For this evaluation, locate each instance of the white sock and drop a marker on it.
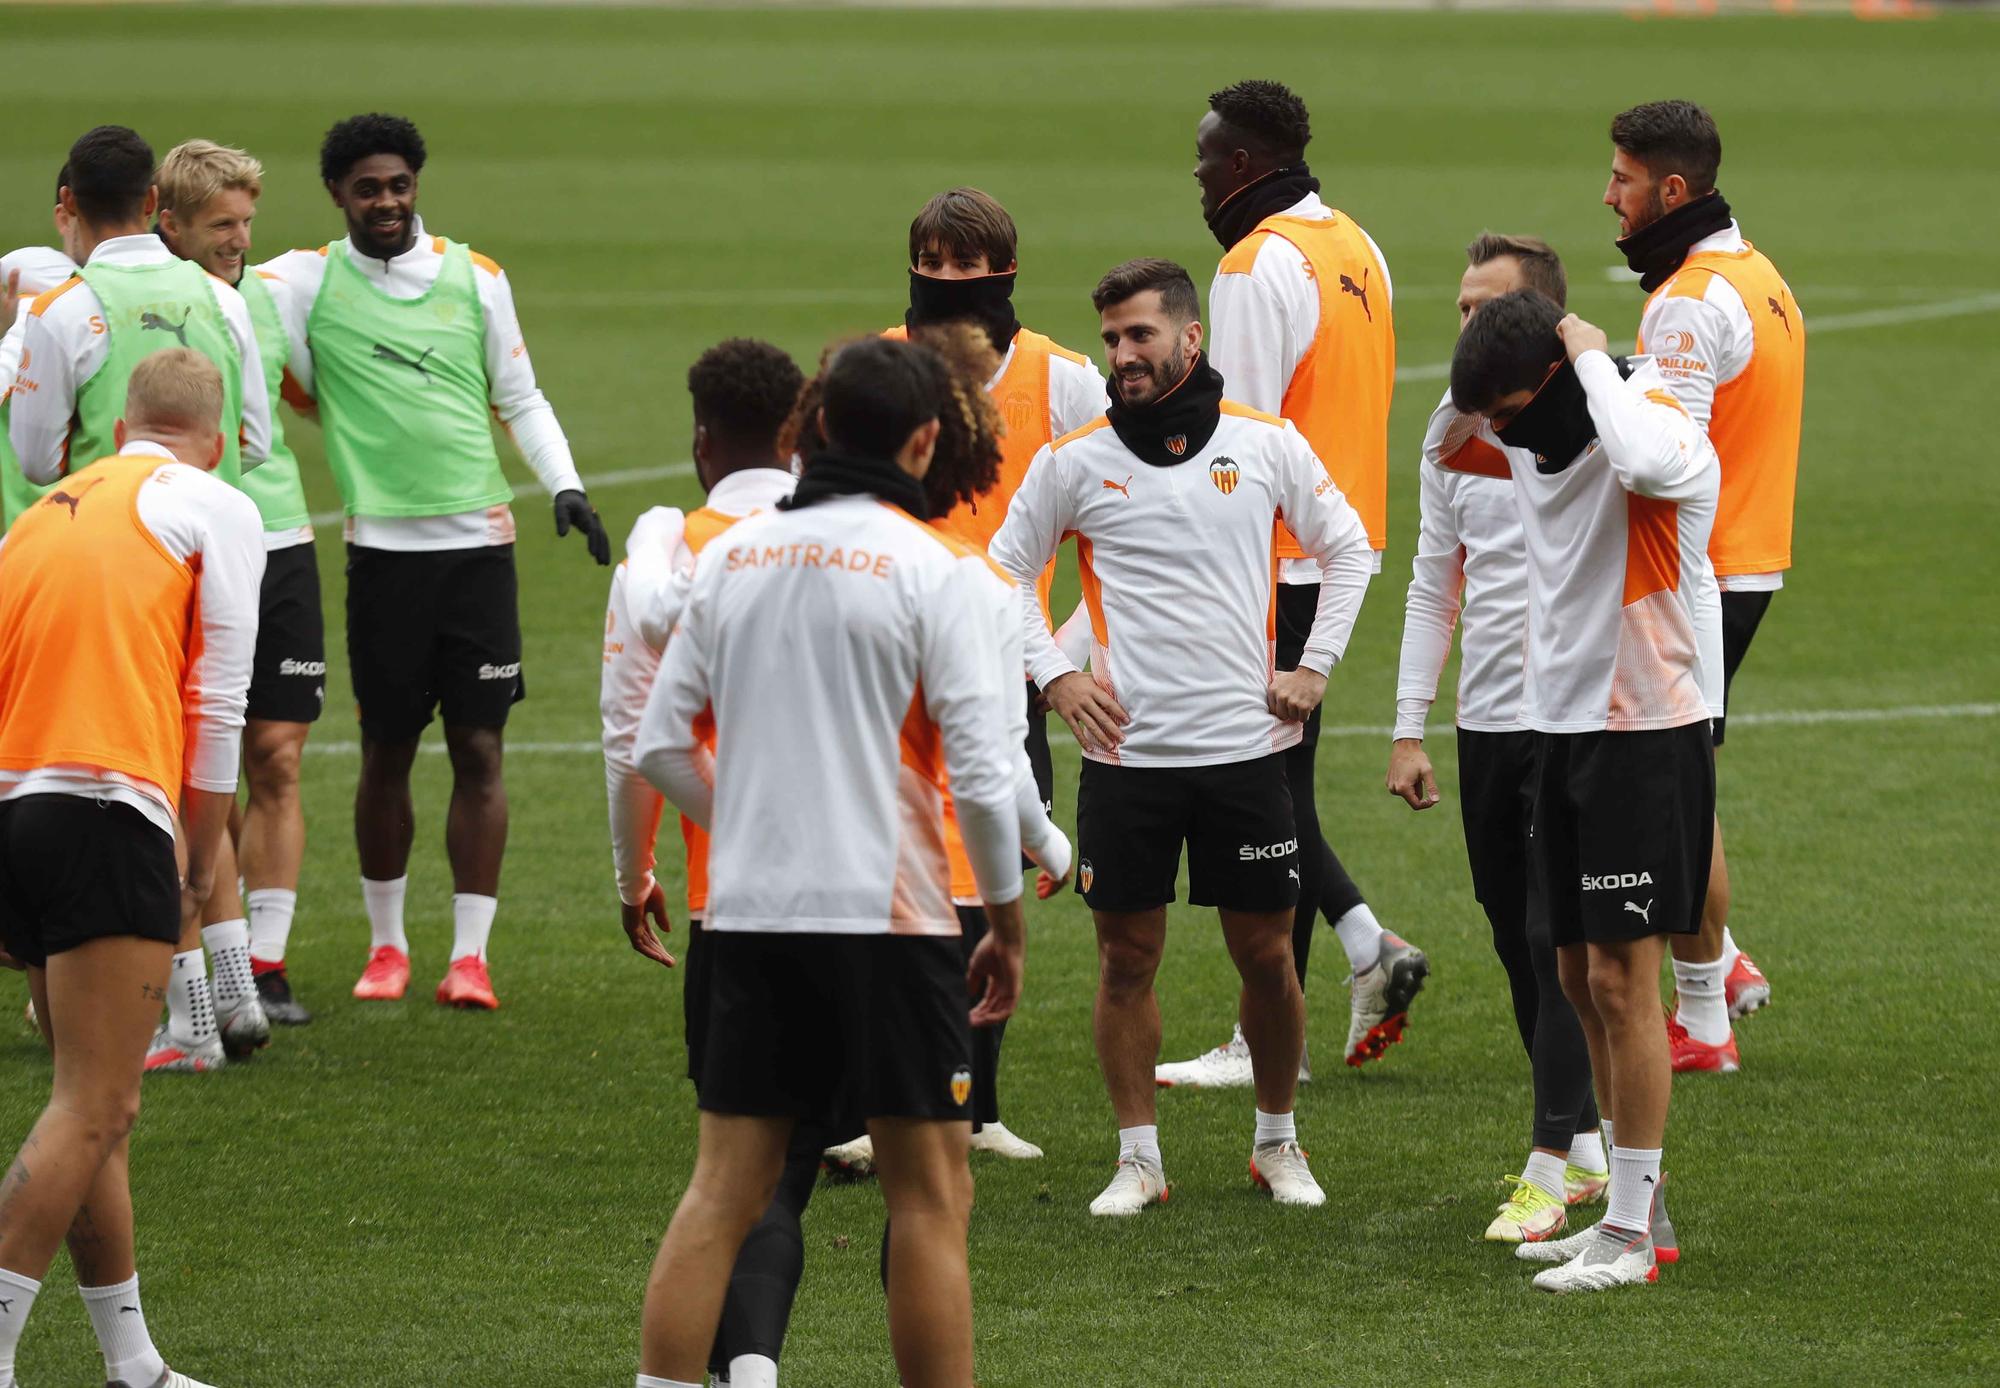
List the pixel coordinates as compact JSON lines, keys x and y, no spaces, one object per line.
{"x":1635,"y":1175}
{"x":190,"y":1009}
{"x":1140,"y":1144}
{"x":1704,"y":1007}
{"x":1610,"y":1143}
{"x":1729,"y":951}
{"x":17,"y":1298}
{"x":271,"y":912}
{"x":1586,"y":1150}
{"x":1361,"y":936}
{"x":648,"y":1381}
{"x":129,"y":1356}
{"x":384,"y":901}
{"x":228,"y":945}
{"x":1545,"y":1171}
{"x":753,"y":1371}
{"x":1275,"y":1127}
{"x":471,"y":923}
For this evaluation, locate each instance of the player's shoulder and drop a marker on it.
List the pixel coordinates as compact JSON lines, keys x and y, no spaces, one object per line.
{"x":49,"y":298}
{"x":1253,"y":418}
{"x":40,"y":267}
{"x":1241,"y":258}
{"x":482,"y":262}
{"x":1079,"y":435}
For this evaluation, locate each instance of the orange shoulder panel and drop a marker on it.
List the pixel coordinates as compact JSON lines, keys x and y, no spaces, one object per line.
{"x":49,"y":296}
{"x":1101,"y":422}
{"x":1246,"y":412}
{"x":485,"y":262}
{"x":1691,"y":283}
{"x":267,"y":275}
{"x":899,"y":333}
{"x":1479,"y":457}
{"x":1058,"y":350}
{"x":1243,"y":255}
{"x":437,"y":244}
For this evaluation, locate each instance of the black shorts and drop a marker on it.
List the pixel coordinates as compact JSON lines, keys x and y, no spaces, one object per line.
{"x":433,"y":631}
{"x":288,"y":676}
{"x":694,"y":997}
{"x":1623,"y":831}
{"x":1496,"y":795}
{"x":74,"y":869}
{"x":1742,"y":613}
{"x":1236,"y":819}
{"x":820,"y":1027}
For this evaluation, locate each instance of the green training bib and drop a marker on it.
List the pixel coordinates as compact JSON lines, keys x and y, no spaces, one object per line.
{"x":274,"y":484}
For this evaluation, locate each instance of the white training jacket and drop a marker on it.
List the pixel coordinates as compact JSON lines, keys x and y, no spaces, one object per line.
{"x":1178,"y":567}
{"x":41,"y":268}
{"x":62,"y":346}
{"x":849,"y":657}
{"x":517,"y":400}
{"x":1624,"y":616}
{"x":215,"y":530}
{"x":1471,"y":567}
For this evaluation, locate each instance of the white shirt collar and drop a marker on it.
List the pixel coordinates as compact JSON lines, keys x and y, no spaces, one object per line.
{"x":752,"y":489}
{"x":1728,"y":241}
{"x":419,"y":252}
{"x":146,"y":448}
{"x":1310,"y":206}
{"x":143,"y":248}
{"x":1005,"y":362}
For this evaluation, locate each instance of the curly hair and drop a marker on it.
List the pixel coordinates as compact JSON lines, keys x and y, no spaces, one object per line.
{"x":1267,"y":116}
{"x":357,"y":137}
{"x":744,"y":389}
{"x":941,"y":375}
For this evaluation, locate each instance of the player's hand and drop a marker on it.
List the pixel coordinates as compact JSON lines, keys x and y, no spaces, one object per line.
{"x":1580,"y":337}
{"x":1047,"y":884}
{"x":1097,"y":719}
{"x":1410,"y":774}
{"x":1294,"y":694}
{"x":639,"y":922}
{"x":10,"y":300}
{"x":993,"y":977}
{"x":574,"y":508}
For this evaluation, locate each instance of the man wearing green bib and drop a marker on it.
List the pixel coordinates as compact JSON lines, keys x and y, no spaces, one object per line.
{"x":208,"y":199}
{"x":411,"y":346}
{"x":25,"y":274}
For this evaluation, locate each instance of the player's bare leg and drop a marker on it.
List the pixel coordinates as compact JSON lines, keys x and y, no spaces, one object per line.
{"x":735,"y":1172}
{"x":1125,"y":1021}
{"x":475,"y":840}
{"x":1699,"y":1032}
{"x":225,"y":935}
{"x":271,"y":847}
{"x":928,"y":1188}
{"x":384,"y":828}
{"x":1272,"y":1012}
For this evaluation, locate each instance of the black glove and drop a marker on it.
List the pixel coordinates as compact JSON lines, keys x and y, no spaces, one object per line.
{"x":574,"y":508}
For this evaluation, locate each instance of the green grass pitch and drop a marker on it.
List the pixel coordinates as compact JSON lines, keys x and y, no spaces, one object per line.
{"x":404,"y":1196}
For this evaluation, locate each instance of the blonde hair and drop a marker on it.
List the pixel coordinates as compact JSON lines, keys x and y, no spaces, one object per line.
{"x":176,"y":389}
{"x":196,"y":170}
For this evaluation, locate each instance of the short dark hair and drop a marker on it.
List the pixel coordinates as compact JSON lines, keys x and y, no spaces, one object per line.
{"x":1507,"y":346}
{"x":1672,"y":137}
{"x":743,"y":389}
{"x":1541,"y":267}
{"x":109,"y":172}
{"x":1176,"y":287}
{"x":877,"y":392}
{"x":965,"y":220}
{"x":62,"y":180}
{"x":1268,"y":116}
{"x":356,"y":138}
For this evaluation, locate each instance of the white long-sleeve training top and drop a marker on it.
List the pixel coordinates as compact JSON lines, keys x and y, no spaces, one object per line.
{"x":843,"y":653}
{"x":63,"y":345}
{"x":1470,"y":569}
{"x":41,"y":268}
{"x":215,"y":530}
{"x":1624,"y":616}
{"x":1177,"y":574}
{"x":510,"y":383}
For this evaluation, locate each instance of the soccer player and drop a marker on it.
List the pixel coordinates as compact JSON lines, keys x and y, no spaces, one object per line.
{"x":1469,"y":543}
{"x":208,"y":199}
{"x":1731,"y":342}
{"x":850,"y":654}
{"x":1183,"y":723}
{"x":743,"y":392}
{"x":128,"y":615}
{"x":25,"y":274}
{"x":1616,"y":487}
{"x":963,"y":264}
{"x":410,"y":344}
{"x":1303,"y":329}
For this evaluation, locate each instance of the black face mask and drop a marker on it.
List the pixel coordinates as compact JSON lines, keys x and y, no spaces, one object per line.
{"x":1556,"y":425}
{"x":832,"y":472}
{"x":987,"y":300}
{"x":1176,"y":426}
{"x":1253,"y":202}
{"x":1657,"y":249}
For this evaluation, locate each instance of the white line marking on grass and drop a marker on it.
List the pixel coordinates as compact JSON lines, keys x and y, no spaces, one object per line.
{"x":1833,"y":323}
{"x":1783,"y":718}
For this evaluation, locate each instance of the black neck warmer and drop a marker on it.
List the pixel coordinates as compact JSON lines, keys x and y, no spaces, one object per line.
{"x":830,"y":473}
{"x":1657,"y":249}
{"x":1556,"y":425}
{"x":1253,"y":202}
{"x":1176,"y":426}
{"x":987,"y":300}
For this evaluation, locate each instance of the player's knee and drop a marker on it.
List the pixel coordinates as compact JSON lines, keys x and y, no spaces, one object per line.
{"x":271,"y":765}
{"x":104,"y":1116}
{"x":476,"y":759}
{"x":1126,"y":966}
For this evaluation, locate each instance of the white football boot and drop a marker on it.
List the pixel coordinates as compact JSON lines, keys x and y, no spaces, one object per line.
{"x":995,"y":1138}
{"x":1606,"y":1260}
{"x":856,"y":1158}
{"x":1136,"y":1185}
{"x":170,"y":1053}
{"x":243,"y":1026}
{"x":1280,"y":1167}
{"x":1225,"y":1067}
